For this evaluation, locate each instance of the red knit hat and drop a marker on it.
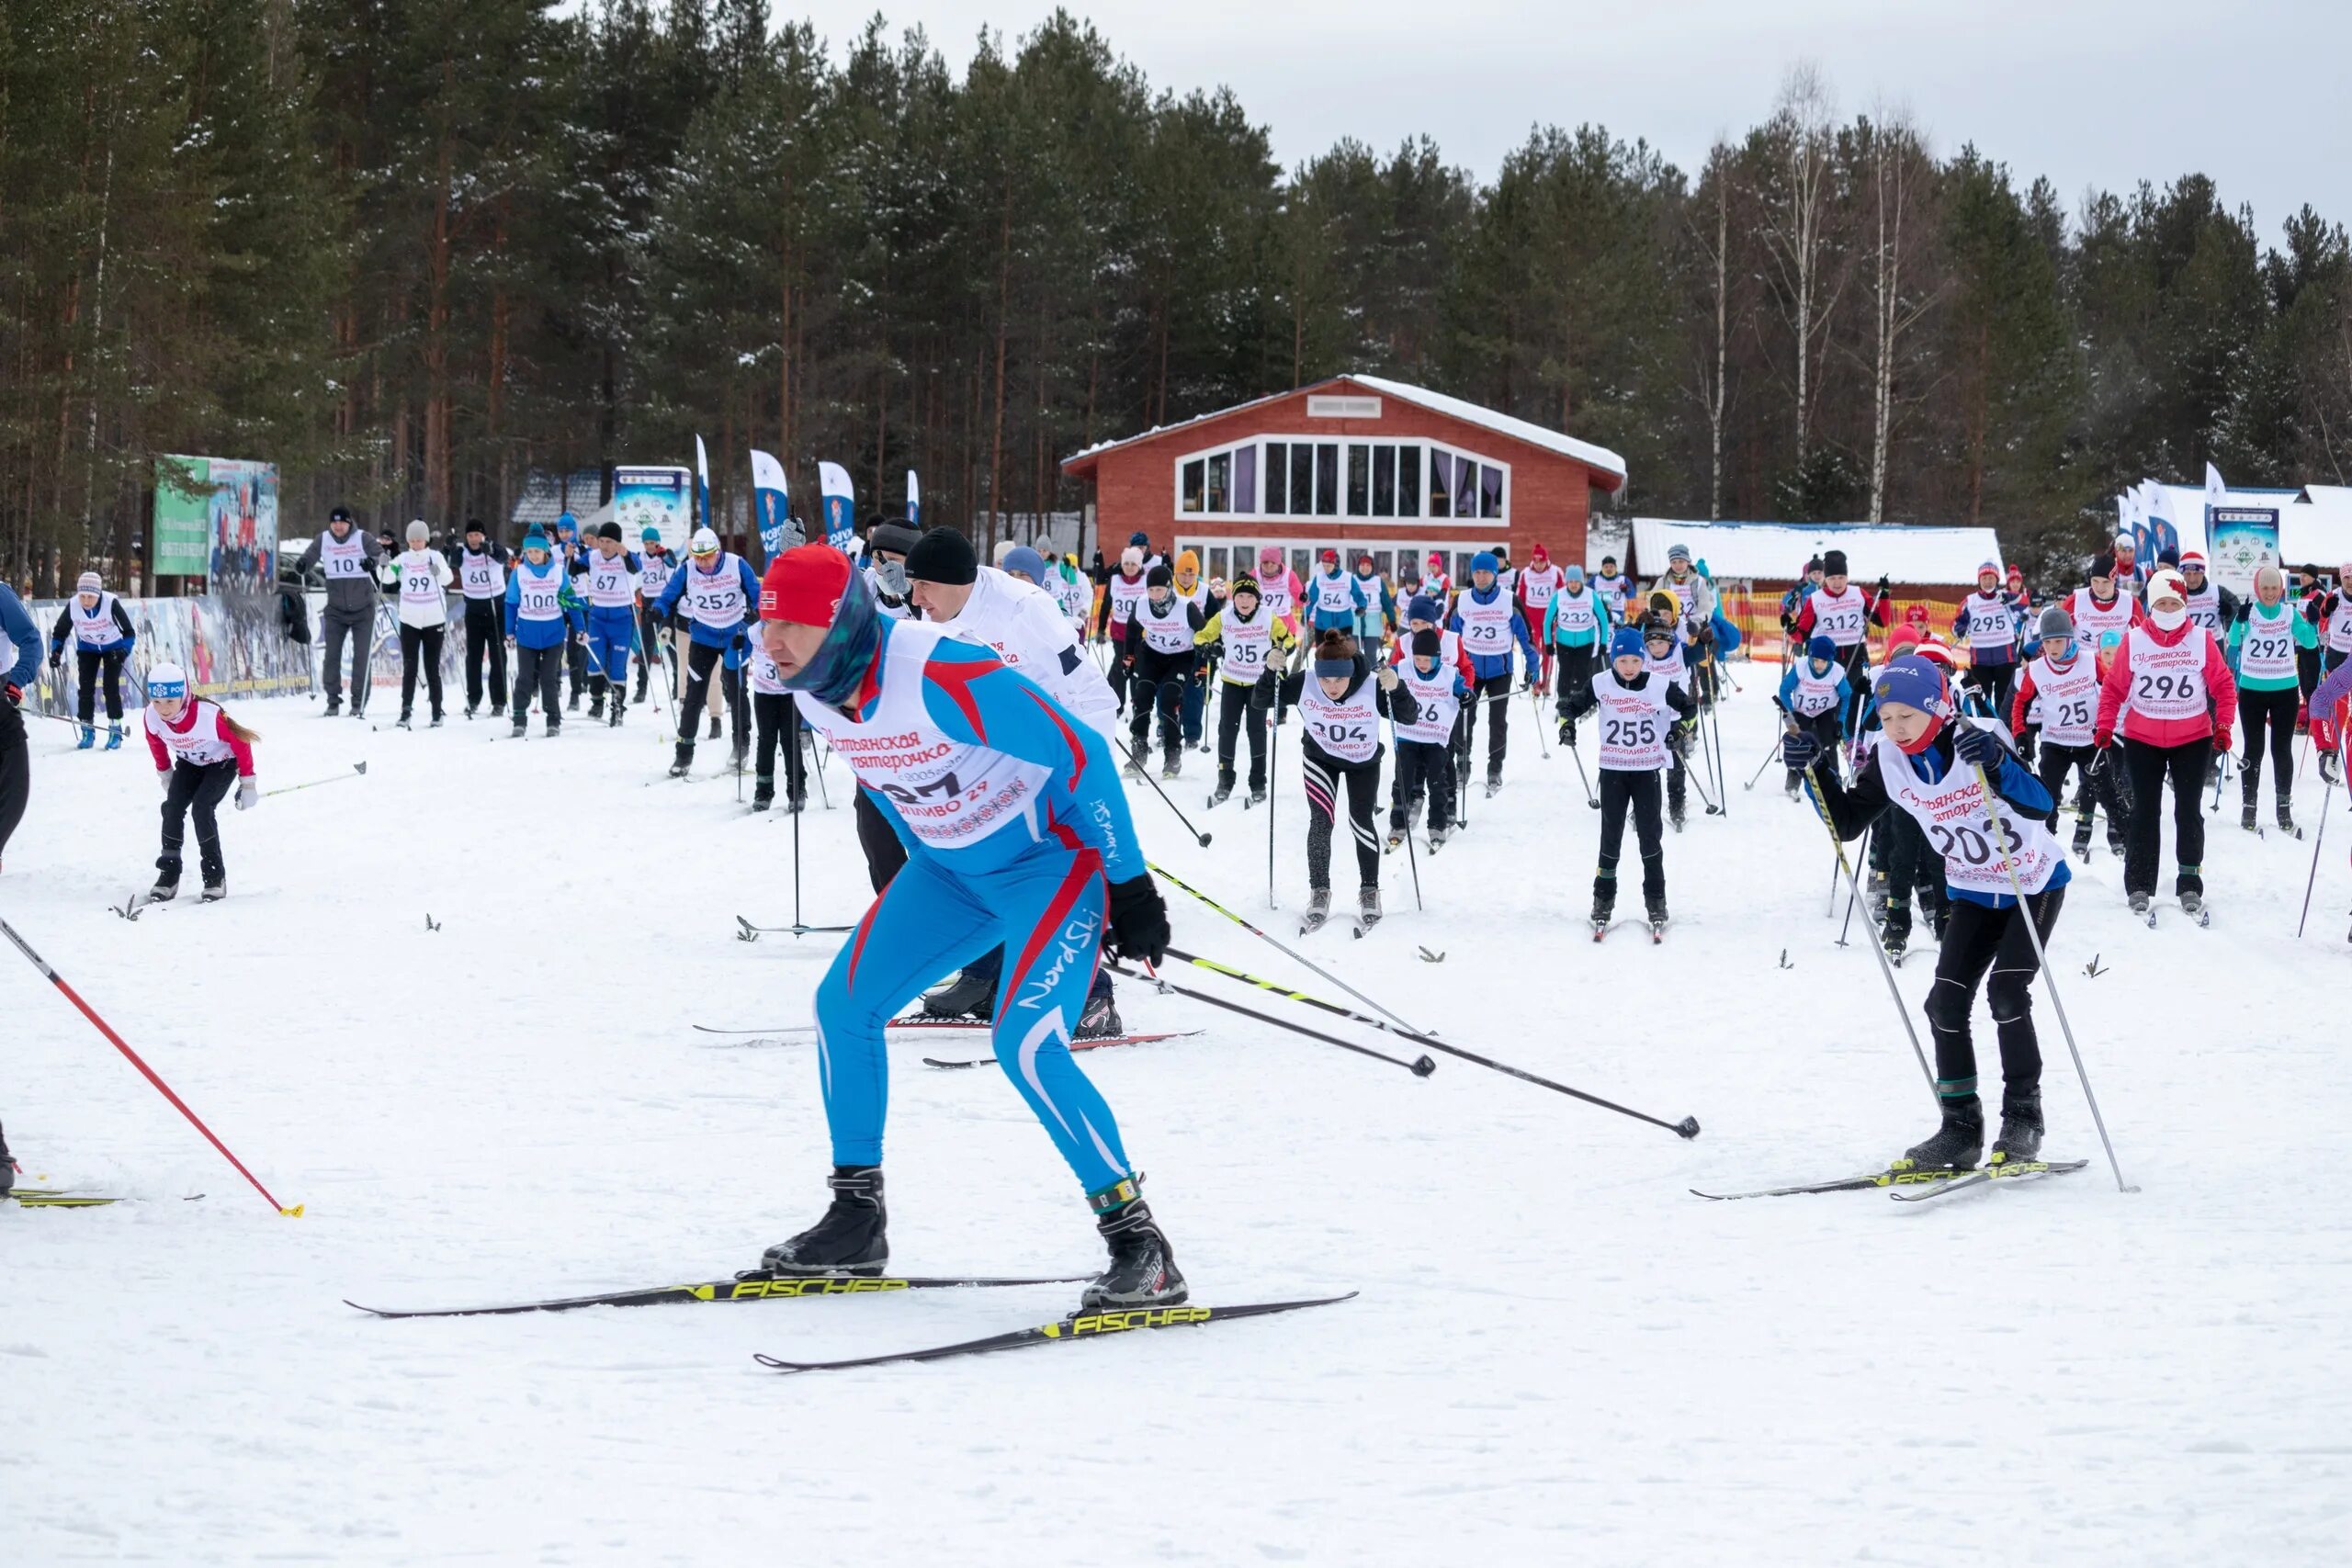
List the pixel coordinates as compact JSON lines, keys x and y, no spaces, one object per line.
{"x":1539,"y":553}
{"x":805,"y":584}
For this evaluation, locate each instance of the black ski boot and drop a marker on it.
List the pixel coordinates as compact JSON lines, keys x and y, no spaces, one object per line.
{"x":1143,"y":1266}
{"x":1171,"y":762}
{"x":2022,"y":1127}
{"x":714,"y":727}
{"x":1101,"y":1019}
{"x":762,"y":792}
{"x":965,"y":994}
{"x":852,"y":1237}
{"x":2082,"y":837}
{"x":1224,"y":778}
{"x":2249,"y":813}
{"x":619,"y":707}
{"x":1958,"y":1145}
{"x":335,"y":707}
{"x":2286,"y":814}
{"x":682,"y":762}
{"x":167,"y":881}
{"x":216,"y":886}
{"x":1257,"y":794}
{"x":595,"y":706}
{"x":1605,"y":910}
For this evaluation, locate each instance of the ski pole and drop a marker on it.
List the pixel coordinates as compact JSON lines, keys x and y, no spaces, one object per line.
{"x":2311,"y":878}
{"x":1715,"y":728}
{"x":1582,"y":777}
{"x":357,"y":769}
{"x":1536,"y":703}
{"x":1861,"y":853}
{"x":54,"y":979}
{"x":1396,"y":749}
{"x":1885,"y":967}
{"x":1421,"y":1068}
{"x":1766,"y":762}
{"x":1687,"y":1128}
{"x":1273,"y":788}
{"x":1145,"y":774}
{"x":2009,"y":835}
{"x":1183,"y":886}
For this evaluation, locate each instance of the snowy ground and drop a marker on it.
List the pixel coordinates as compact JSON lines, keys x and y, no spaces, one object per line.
{"x":1559,"y":1355}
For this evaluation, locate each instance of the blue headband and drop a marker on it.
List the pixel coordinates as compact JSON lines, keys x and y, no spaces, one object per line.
{"x":1334,"y":668}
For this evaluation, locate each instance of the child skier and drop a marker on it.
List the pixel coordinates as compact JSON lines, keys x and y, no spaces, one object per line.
{"x":538,"y":614}
{"x":1424,"y":742}
{"x":1340,"y":703}
{"x":1986,"y":624}
{"x":2064,"y":684}
{"x":1577,"y":628}
{"x":778,"y":723}
{"x":1815,"y":697}
{"x":1489,"y":622}
{"x":103,"y":639}
{"x":1159,"y":656}
{"x":1662,"y":656}
{"x":424,"y":576}
{"x":1636,"y":707}
{"x":1253,"y":641}
{"x":200,"y":752}
{"x":1927,"y":761}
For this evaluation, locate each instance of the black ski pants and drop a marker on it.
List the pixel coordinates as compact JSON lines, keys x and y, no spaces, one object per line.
{"x":1496,"y":691}
{"x":655,"y":644}
{"x":359,"y":626}
{"x":195,"y":791}
{"x":1326,"y":776}
{"x":1856,"y":662}
{"x":1572,"y":673}
{"x":778,"y":719}
{"x":1421,"y":766}
{"x":884,"y":851}
{"x":484,"y":634}
{"x":1996,"y":682}
{"x":1156,"y":684}
{"x":1991,"y":947}
{"x":92,"y":666}
{"x":1912,"y":867}
{"x":1823,"y":727}
{"x":420,"y":645}
{"x":2101,"y":784}
{"x":1240,"y":707}
{"x":2273,"y":712}
{"x":539,"y":670}
{"x":16,"y":771}
{"x":1622,"y":790}
{"x":2150,"y":767}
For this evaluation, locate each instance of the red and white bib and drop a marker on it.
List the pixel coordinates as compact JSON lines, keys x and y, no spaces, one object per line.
{"x":2069,"y":700}
{"x":2168,"y":682}
{"x":1978,"y":854}
{"x":1633,"y":724}
{"x":1347,"y":729}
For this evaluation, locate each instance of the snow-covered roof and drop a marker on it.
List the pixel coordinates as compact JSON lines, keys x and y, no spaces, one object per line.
{"x":2328,"y":495}
{"x":2317,"y":530}
{"x":1585,"y":452}
{"x":1605,"y":464}
{"x":1908,"y":553}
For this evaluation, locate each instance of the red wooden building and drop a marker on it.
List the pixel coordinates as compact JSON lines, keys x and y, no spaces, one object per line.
{"x":1368,"y":465}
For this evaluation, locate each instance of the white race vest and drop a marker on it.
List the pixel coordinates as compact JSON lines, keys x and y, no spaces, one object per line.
{"x":1537,"y":587}
{"x":1438,"y":586}
{"x":2205,"y":606}
{"x":766,"y":679}
{"x":2168,"y":682}
{"x":538,"y":594}
{"x":1977,"y":855}
{"x":1633,"y":724}
{"x":1613,"y":589}
{"x":653,"y":575}
{"x":2091,"y":618}
{"x":1169,"y":632}
{"x":421,"y":598}
{"x":1124,"y":594}
{"x":1843,"y":618}
{"x":715,"y":599}
{"x":2267,"y":651}
{"x":482,"y":576}
{"x":199,"y":745}
{"x":1673,"y":666}
{"x":1990,"y":623}
{"x":2339,"y":625}
{"x":1248,"y":645}
{"x":2068,"y":699}
{"x":349,"y":558}
{"x":950,"y":793}
{"x":1814,"y":694}
{"x":1347,"y":729}
{"x":1334,"y":595}
{"x":1076,"y":596}
{"x":1275,"y":595}
{"x":1434,"y":703}
{"x":1486,"y":628}
{"x":94,"y":628}
{"x":1575,"y":612}
{"x":612,"y":584}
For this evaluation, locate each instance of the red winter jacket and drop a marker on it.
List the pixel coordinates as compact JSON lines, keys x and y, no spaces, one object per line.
{"x":2219,"y":687}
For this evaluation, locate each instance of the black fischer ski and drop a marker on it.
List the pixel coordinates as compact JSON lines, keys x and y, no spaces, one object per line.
{"x":1840,"y":1184}
{"x":1095,"y":1045}
{"x":2024,"y":1170}
{"x":1078,"y":1326}
{"x":894,"y":1023}
{"x":751,"y":1287}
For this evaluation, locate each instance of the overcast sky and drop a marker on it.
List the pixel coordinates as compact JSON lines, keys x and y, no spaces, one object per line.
{"x":2255,"y":92}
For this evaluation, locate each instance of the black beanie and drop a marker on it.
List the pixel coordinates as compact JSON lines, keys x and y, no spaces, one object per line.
{"x":610,"y":531}
{"x":943,"y":555}
{"x":895,"y":538}
{"x":1160,"y":577}
{"x":1427,"y":643}
{"x":1833,"y":563}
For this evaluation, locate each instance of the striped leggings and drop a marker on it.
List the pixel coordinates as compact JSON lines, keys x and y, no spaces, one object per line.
{"x":1324,"y":774}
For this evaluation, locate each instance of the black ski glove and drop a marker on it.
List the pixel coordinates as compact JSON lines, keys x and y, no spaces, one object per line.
{"x":1979,"y":748}
{"x":1798,"y":748}
{"x":1139,"y":920}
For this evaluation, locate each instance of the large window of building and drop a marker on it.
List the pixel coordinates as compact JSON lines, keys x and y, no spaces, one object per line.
{"x":1283,"y":476}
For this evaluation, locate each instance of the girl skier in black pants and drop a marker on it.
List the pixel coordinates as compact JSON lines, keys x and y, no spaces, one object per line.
{"x":1925,"y":761}
{"x":199,"y":753}
{"x":1341,"y":702}
{"x":1634,"y":708}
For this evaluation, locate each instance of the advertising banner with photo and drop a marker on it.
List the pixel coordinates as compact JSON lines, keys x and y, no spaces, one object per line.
{"x":2240,"y":540}
{"x":230,"y":646}
{"x":654,"y":497}
{"x":217,"y":518}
